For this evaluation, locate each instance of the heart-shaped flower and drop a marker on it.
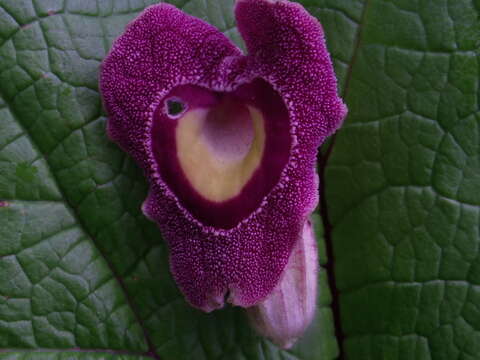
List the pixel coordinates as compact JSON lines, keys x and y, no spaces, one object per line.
{"x":228,"y":141}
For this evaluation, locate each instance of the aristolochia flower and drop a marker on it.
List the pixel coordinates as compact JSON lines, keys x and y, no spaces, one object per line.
{"x":228,"y":141}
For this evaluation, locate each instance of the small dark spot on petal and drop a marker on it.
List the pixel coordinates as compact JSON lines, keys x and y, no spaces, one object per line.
{"x":175,"y":107}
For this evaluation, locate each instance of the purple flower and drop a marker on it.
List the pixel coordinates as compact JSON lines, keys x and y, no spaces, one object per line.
{"x":228,"y":141}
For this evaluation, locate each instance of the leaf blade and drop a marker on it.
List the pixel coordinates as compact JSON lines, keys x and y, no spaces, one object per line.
{"x":392,"y":185}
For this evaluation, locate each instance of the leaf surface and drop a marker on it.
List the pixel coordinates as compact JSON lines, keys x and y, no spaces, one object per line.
{"x":403,"y":184}
{"x":83,"y":273}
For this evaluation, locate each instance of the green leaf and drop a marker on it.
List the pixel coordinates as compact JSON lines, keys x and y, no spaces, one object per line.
{"x":83,"y":275}
{"x":81,"y":268}
{"x":403,"y":184}
{"x":68,"y":355}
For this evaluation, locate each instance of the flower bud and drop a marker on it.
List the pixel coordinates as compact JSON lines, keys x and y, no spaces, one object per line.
{"x":285,"y":314}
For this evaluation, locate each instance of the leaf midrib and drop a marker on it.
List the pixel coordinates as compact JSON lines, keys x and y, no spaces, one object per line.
{"x":323,"y":205}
